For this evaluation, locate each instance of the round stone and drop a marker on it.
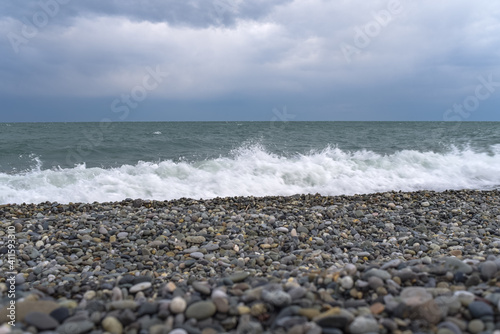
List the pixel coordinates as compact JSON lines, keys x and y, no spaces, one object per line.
{"x":475,"y":326}
{"x":488,"y":269}
{"x":112,"y":325}
{"x":347,"y":282}
{"x":178,"y":305}
{"x":362,"y":325}
{"x":89,"y":295}
{"x":375,"y":282}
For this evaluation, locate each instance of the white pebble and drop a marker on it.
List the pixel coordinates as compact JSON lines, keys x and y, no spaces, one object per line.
{"x":140,"y":286}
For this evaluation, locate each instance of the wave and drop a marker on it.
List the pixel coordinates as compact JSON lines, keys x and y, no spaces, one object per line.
{"x":253,"y":171}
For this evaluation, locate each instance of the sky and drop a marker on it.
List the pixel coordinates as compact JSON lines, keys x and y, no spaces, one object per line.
{"x":249,"y":60}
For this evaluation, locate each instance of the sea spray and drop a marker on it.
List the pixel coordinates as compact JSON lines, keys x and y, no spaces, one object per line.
{"x":253,"y":171}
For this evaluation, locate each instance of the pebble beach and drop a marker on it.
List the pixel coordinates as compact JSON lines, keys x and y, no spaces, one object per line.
{"x":394,"y":262}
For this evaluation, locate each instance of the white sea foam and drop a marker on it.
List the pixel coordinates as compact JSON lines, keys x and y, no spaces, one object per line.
{"x":254,"y":171}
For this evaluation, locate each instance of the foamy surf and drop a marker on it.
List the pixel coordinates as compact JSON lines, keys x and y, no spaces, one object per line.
{"x":253,"y":171}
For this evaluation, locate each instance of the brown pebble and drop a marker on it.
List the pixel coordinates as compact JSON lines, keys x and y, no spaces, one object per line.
{"x":377,"y":308}
{"x":456,"y":252}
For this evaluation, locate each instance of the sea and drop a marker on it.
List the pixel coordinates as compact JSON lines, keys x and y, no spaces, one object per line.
{"x":112,"y":161}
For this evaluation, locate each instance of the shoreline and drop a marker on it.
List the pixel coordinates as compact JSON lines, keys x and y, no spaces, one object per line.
{"x":395,"y":261}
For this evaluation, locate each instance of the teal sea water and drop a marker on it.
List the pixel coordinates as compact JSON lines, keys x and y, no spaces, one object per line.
{"x":87,"y":162}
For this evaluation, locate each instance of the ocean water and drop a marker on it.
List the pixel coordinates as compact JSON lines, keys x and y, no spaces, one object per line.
{"x":87,"y":162}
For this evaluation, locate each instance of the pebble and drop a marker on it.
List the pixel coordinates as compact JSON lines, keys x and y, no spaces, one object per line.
{"x":41,"y":321}
{"x":303,"y":264}
{"x":276,"y":297}
{"x":456,"y":265}
{"x":202,"y":287}
{"x":362,"y":325}
{"x":140,"y":287}
{"x":480,"y":309}
{"x":178,"y":305}
{"x":75,"y":327}
{"x":347,"y":282}
{"x":197,"y":255}
{"x":112,"y":325}
{"x":177,"y":331}
{"x":475,"y":326}
{"x":488,"y":269}
{"x":239,"y":276}
{"x":201,"y":310}
{"x":60,"y":314}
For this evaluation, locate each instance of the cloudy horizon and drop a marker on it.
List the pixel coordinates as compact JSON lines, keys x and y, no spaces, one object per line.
{"x":65,"y":60}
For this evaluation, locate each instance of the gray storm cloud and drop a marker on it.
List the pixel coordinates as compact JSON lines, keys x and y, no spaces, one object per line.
{"x":387,"y":56}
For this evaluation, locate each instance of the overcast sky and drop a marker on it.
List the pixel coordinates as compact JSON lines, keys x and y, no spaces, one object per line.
{"x":128,"y":60}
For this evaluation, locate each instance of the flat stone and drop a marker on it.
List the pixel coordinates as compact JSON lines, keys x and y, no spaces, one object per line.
{"x":334,"y":318}
{"x":239,"y":276}
{"x":195,"y":239}
{"x":201,"y":310}
{"x":455,"y":265}
{"x":382,"y":274}
{"x":123,"y":304}
{"x":480,"y":309}
{"x":140,"y":287}
{"x":147,"y":308}
{"x":41,"y":320}
{"x":27,"y":306}
{"x":309,"y":313}
{"x":210,"y":246}
{"x":201,"y":287}
{"x":163,"y":329}
{"x":78,"y":327}
{"x":197,"y":255}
